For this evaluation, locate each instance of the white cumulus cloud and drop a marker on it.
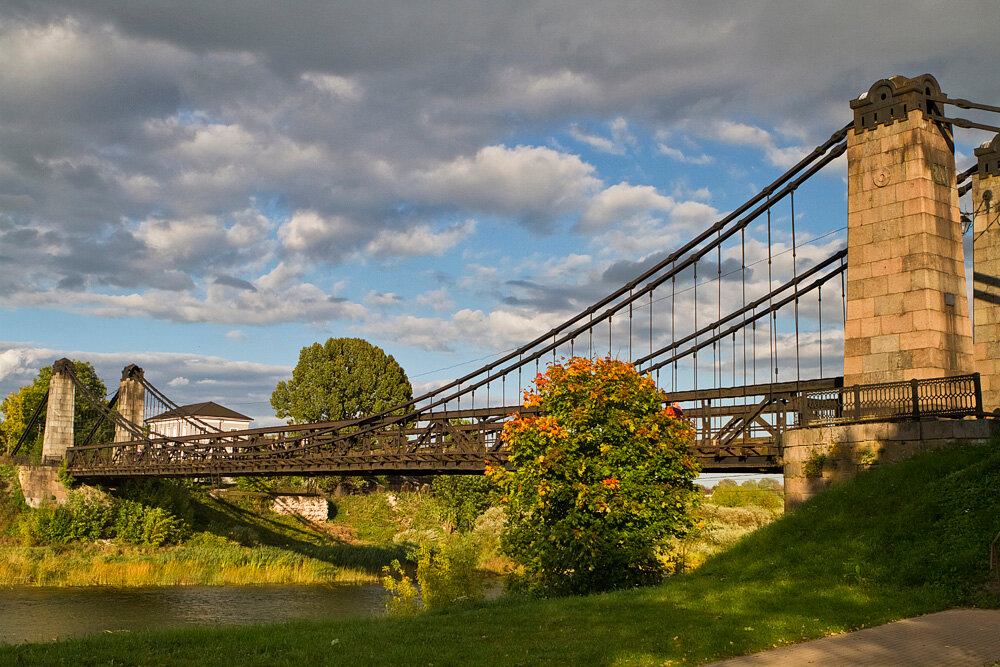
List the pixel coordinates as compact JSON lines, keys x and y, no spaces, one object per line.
{"x":420,"y":240}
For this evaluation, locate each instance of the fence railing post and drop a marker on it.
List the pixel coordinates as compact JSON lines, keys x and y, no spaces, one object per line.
{"x":803,"y":409}
{"x":977,"y":385}
{"x":915,"y":395}
{"x":857,"y":401}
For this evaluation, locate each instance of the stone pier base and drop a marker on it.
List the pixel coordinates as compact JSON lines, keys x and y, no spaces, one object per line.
{"x":817,"y":457}
{"x":41,"y":484}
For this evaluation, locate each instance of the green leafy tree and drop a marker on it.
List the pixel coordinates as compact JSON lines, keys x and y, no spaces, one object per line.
{"x":343,"y":378}
{"x":599,"y":480}
{"x":19,"y":405}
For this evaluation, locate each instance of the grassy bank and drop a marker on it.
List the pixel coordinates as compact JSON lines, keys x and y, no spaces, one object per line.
{"x":896,"y":542}
{"x":234,"y":541}
{"x":205,"y":561}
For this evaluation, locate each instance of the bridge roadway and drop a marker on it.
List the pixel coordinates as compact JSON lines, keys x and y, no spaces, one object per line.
{"x":738,"y":430}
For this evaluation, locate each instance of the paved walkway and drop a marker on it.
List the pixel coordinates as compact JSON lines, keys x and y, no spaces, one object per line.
{"x":955,"y":637}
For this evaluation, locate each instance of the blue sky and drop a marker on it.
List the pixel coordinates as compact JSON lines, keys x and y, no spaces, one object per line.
{"x":204,"y":192}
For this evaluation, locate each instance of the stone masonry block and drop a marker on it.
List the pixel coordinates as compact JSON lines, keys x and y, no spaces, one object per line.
{"x":915,"y":340}
{"x":885,"y":343}
{"x":900,"y":283}
{"x":890,"y":304}
{"x":857,"y":346}
{"x":896,"y":323}
{"x":905,"y":431}
{"x":862,"y":308}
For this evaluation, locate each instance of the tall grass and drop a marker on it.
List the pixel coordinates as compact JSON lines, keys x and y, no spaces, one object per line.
{"x":237,"y":543}
{"x":717,"y":528}
{"x":214,"y":563}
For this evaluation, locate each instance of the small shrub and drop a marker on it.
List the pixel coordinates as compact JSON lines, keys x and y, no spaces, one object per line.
{"x":447,"y":573}
{"x":176,"y":497}
{"x":139,"y":524}
{"x":815,"y":464}
{"x":65,"y":478}
{"x":83,"y":518}
{"x":11,"y":499}
{"x":403,"y":597}
{"x":209,"y":541}
{"x":88,"y":516}
{"x":600,"y":480}
{"x":257,"y":484}
{"x":465,"y":497}
{"x":488,"y":529}
{"x":867,"y":458}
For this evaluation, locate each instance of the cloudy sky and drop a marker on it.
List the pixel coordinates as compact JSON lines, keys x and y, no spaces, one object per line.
{"x":205,"y":188}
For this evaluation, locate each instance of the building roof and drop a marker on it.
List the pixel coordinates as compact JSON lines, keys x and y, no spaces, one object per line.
{"x":208,"y":409}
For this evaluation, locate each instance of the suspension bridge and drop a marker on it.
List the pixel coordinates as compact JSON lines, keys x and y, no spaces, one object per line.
{"x":758,"y":327}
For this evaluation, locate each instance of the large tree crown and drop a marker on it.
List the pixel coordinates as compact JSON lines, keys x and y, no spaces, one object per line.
{"x":343,"y":378}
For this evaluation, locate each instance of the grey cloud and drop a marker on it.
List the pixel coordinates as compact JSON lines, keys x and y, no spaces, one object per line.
{"x":99,"y":138}
{"x":624,"y":270}
{"x":234,"y":282}
{"x":545,"y":297}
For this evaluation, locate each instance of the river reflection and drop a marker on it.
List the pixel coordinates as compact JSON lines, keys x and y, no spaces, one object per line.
{"x":30,"y":614}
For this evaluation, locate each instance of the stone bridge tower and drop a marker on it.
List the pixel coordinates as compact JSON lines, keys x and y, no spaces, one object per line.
{"x":986,"y":269}
{"x":131,"y":400}
{"x":907,"y":307}
{"x":58,"y":435}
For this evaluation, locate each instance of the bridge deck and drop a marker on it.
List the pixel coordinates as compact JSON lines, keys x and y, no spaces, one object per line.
{"x":738,"y":430}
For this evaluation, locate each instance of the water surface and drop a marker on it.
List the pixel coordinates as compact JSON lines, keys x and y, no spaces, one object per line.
{"x":38,"y":614}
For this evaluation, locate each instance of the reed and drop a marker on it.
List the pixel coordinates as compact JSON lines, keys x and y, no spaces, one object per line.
{"x":107,"y":564}
{"x":717,"y":528}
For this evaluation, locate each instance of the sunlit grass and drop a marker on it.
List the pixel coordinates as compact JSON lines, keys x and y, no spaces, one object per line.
{"x":236,"y":544}
{"x":896,"y":542}
{"x":218,"y":565}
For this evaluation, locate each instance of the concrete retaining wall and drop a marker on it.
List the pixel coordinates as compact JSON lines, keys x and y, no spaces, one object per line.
{"x":818,"y":457}
{"x":41,"y":484}
{"x":312,"y":507}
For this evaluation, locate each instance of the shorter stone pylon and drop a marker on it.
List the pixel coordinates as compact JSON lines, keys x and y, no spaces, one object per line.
{"x":131,"y":401}
{"x":58,"y":434}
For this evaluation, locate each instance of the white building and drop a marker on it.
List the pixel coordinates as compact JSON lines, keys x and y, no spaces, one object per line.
{"x":178,"y":422}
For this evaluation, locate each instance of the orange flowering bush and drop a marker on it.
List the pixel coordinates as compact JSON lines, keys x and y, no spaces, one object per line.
{"x":599,"y":480}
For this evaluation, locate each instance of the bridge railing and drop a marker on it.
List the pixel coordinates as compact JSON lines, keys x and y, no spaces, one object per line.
{"x":957,"y":396}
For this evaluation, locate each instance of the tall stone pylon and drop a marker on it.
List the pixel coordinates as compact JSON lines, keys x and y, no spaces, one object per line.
{"x":58,"y":434}
{"x":131,"y":401}
{"x":986,"y":270}
{"x":907,"y":308}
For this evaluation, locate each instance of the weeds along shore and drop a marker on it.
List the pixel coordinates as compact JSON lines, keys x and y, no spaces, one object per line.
{"x":178,"y":533}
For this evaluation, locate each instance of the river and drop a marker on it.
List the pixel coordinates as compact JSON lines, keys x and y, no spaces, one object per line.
{"x":32,"y":614}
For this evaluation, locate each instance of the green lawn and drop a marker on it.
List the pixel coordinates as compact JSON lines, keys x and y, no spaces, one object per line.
{"x":896,"y":542}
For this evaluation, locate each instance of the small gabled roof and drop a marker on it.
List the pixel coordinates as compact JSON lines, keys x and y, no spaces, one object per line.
{"x":206,"y":409}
